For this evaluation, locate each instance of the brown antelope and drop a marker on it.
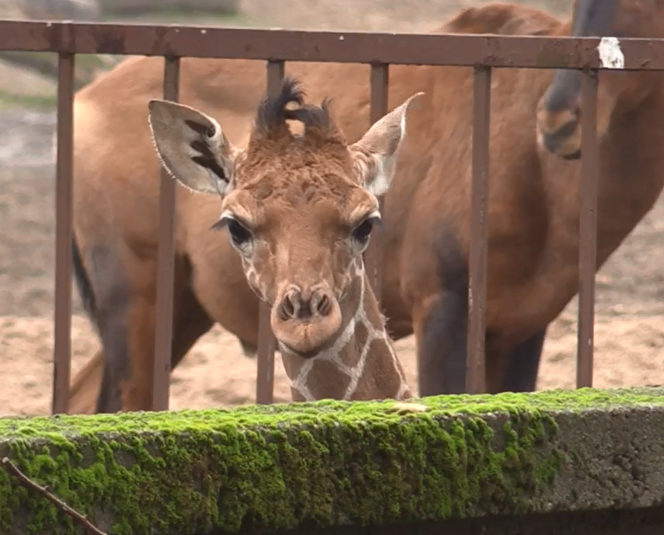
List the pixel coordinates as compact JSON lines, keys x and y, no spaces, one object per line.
{"x":533,"y":205}
{"x":299,"y":210}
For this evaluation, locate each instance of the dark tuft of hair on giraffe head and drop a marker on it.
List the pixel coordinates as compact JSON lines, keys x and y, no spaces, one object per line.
{"x":274,"y":111}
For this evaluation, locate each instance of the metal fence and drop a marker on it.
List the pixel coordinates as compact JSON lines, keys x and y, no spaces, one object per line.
{"x":275,"y":47}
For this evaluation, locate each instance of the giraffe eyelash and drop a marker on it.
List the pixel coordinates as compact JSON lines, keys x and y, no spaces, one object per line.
{"x":225,"y":219}
{"x":220,"y":224}
{"x":373,"y":217}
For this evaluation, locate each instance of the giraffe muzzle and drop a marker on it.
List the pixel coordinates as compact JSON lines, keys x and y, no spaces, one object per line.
{"x":306,"y":319}
{"x":298,"y":305}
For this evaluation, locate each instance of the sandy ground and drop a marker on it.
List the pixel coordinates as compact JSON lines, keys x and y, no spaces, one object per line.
{"x":630,"y":291}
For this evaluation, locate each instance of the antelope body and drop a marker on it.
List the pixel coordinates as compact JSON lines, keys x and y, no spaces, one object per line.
{"x":533,"y":203}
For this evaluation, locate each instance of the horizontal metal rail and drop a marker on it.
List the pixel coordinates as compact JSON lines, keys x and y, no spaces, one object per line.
{"x":519,"y":51}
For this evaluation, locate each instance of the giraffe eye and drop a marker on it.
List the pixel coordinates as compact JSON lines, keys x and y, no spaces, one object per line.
{"x":240,"y":235}
{"x":362,"y":232}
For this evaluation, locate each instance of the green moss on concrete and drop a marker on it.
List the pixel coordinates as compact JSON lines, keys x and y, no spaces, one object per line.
{"x":277,"y":467}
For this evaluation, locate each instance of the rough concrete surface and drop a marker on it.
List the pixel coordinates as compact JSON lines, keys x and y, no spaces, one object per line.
{"x":648,"y":521}
{"x":332,"y":464}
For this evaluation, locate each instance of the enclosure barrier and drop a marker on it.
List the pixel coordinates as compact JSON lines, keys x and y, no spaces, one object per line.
{"x":481,"y":52}
{"x":510,"y":463}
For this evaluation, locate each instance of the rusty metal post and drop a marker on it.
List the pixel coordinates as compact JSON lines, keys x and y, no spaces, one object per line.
{"x":587,"y":229}
{"x":163,"y":341}
{"x":475,"y":375}
{"x":267,"y":344}
{"x":63,"y":234}
{"x":373,"y":256}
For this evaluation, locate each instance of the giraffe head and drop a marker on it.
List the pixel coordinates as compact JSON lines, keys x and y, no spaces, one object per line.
{"x":298,"y":209}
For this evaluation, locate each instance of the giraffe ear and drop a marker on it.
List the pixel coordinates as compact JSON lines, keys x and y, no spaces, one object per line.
{"x":375,"y":154}
{"x":192,"y":147}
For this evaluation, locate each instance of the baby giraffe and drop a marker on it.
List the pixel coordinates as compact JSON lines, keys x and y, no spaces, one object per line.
{"x":299,"y":211}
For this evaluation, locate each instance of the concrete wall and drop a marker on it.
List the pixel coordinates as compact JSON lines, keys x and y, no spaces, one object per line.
{"x":540,"y":463}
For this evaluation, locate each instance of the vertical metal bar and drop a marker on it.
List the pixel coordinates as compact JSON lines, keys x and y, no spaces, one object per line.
{"x":267,"y":343}
{"x":275,"y":75}
{"x":587,"y":229}
{"x":165,"y":263}
{"x":373,"y":256}
{"x":63,"y":234}
{"x":475,"y":377}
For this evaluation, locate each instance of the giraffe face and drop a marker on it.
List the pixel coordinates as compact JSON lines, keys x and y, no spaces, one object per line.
{"x":301,"y":249}
{"x":299,"y":210}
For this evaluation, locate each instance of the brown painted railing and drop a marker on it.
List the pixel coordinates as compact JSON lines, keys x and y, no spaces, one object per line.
{"x":481,"y":52}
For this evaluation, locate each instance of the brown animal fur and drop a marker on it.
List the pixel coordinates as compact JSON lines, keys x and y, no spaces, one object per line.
{"x":533,"y":206}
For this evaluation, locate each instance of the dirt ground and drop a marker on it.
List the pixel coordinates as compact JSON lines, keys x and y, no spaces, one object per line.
{"x":630,"y":287}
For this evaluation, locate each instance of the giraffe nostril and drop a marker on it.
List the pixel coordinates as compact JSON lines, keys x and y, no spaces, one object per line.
{"x":287,"y":309}
{"x":305,"y":305}
{"x":324,"y":305}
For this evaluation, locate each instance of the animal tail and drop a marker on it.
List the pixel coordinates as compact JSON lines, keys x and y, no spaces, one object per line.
{"x":83,"y":283}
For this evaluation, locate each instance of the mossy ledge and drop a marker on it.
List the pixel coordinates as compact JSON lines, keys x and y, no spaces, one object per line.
{"x":272,"y":468}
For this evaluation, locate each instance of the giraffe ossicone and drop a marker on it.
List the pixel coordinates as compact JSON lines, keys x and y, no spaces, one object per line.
{"x":299,"y":211}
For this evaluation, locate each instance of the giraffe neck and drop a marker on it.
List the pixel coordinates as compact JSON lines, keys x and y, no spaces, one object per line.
{"x":362,"y":363}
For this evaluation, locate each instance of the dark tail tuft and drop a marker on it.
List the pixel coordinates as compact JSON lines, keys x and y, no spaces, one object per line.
{"x":83,"y":283}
